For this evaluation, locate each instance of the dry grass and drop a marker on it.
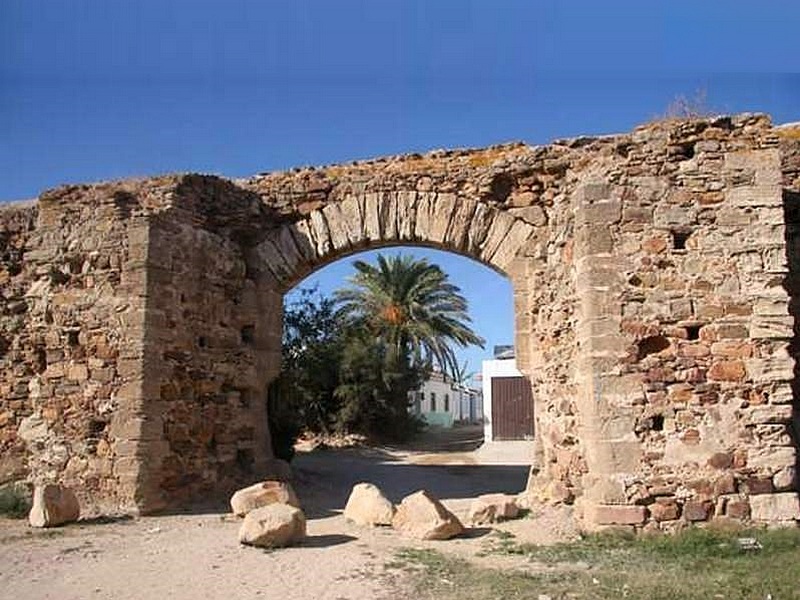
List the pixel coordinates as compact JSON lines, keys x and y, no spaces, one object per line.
{"x":697,"y":564}
{"x":790,"y":133}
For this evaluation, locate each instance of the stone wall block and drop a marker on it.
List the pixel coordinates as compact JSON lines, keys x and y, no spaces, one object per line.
{"x":515,"y":240}
{"x":612,"y":514}
{"x":406,"y":214}
{"x":772,"y":508}
{"x":771,"y":307}
{"x":775,"y":260}
{"x":337,"y":226}
{"x":781,"y":413}
{"x":772,"y":328}
{"x":773,"y":458}
{"x":269,"y":257}
{"x":669,"y":216}
{"x":388,"y":215}
{"x":498,"y":230}
{"x":304,"y":242}
{"x":288,"y":248}
{"x":422,"y":224}
{"x":350,"y":209}
{"x":441,"y":215}
{"x":754,"y":196}
{"x":320,"y":232}
{"x":479,"y":228}
{"x":372,"y":217}
{"x":458,"y":232}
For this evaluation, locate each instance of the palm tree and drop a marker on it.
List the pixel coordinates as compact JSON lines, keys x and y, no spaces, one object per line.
{"x":412,"y":308}
{"x":462,"y":375}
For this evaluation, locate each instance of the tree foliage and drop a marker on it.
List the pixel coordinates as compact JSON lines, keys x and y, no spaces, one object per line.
{"x":349,"y":362}
{"x":410,"y":305}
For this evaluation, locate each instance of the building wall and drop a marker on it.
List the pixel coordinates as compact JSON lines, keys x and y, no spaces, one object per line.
{"x":439,"y":415}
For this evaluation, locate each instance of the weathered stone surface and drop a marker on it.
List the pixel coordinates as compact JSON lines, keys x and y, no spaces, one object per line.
{"x":273,"y":526}
{"x":654,"y":292}
{"x":367,"y":506}
{"x":53,"y":505}
{"x":491,"y":508}
{"x":263,"y":494}
{"x":423,"y":517}
{"x":664,"y":509}
{"x":772,"y":508}
{"x":695,"y":510}
{"x":614,"y":514}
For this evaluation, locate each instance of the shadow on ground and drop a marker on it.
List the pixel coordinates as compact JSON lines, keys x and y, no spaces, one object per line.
{"x":324,"y":478}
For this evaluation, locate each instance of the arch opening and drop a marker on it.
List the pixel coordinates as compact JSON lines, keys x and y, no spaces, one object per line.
{"x":447,"y":410}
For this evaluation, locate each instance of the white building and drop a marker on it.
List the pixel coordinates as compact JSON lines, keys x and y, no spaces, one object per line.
{"x":441,"y":401}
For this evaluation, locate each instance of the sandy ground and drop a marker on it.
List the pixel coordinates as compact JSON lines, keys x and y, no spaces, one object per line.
{"x":198,"y":556}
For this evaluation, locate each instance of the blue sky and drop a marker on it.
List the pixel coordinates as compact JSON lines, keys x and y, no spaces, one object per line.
{"x":104,"y":89}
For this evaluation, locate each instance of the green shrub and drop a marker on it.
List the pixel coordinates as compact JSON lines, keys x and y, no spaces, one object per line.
{"x":14,"y":501}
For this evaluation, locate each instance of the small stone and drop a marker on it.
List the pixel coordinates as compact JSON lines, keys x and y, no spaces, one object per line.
{"x":273,"y":526}
{"x":263,"y":494}
{"x":423,"y":517}
{"x":53,"y":505}
{"x":368,"y":506}
{"x":784,"y":479}
{"x":491,"y":508}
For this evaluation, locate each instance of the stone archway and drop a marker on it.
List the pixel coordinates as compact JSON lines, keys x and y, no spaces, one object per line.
{"x":651,"y":313}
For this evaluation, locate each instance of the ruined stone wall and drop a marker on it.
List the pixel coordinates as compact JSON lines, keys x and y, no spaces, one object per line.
{"x":141,"y":321}
{"x":72,"y":328}
{"x":212,"y":346}
{"x":17,"y":356}
{"x":509,"y":207}
{"x":689,"y":402}
{"x":789,"y":137}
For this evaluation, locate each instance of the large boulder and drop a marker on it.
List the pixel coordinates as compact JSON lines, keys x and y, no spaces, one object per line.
{"x":368,"y":506}
{"x":263,"y":494}
{"x":53,"y":505}
{"x":273,"y":526}
{"x":491,"y":508}
{"x":423,"y":517}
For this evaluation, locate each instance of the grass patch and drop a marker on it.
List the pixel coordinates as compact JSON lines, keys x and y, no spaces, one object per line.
{"x":789,"y":133}
{"x":695,"y":564}
{"x":14,"y":503}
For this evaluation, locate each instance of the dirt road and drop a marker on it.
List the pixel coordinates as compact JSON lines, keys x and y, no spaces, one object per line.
{"x":198,"y":556}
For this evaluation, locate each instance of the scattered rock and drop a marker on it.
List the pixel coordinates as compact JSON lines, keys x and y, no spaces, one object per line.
{"x":367,"y":506}
{"x":263,"y":494}
{"x":491,"y":508}
{"x":422,"y":516}
{"x":53,"y":505}
{"x":273,"y":526}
